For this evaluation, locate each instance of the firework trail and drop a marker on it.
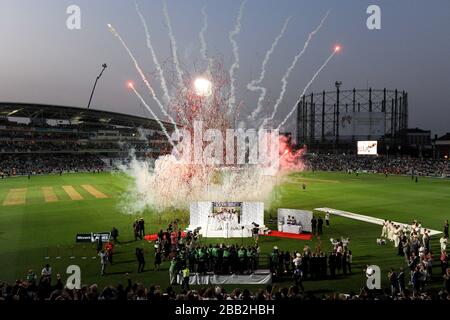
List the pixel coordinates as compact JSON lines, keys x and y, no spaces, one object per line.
{"x":154,"y":182}
{"x":284,"y":80}
{"x":232,"y":34}
{"x":254,"y":85}
{"x":141,"y":73}
{"x":153,"y":114}
{"x":202,"y":34}
{"x":307,"y":87}
{"x":154,"y":57}
{"x":173,"y":44}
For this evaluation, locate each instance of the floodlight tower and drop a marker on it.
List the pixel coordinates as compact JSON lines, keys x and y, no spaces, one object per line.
{"x":104,"y":66}
{"x":338,"y":85}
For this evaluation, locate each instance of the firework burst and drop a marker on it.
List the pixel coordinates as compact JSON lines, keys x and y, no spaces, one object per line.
{"x":209,"y":98}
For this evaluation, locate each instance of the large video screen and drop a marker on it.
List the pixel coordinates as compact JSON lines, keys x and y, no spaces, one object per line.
{"x":230,"y":211}
{"x":367,"y":147}
{"x":227,"y":207}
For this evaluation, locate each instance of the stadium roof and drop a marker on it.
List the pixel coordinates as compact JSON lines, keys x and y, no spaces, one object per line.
{"x":444,"y":137}
{"x":417,"y":130}
{"x":76,"y":115}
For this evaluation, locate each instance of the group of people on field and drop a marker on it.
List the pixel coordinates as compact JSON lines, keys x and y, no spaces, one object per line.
{"x":413,"y":243}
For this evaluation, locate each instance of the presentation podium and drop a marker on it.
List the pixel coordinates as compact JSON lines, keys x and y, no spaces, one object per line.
{"x":294,"y":220}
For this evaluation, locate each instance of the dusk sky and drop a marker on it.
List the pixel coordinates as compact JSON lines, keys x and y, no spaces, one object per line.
{"x":42,"y":61}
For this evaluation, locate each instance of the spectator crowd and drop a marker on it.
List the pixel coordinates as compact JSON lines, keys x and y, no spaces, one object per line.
{"x":31,"y":164}
{"x":32,"y":289}
{"x":378,"y":164}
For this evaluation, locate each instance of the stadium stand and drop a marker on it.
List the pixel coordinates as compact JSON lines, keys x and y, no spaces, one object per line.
{"x":38,"y":139}
{"x":378,"y":164}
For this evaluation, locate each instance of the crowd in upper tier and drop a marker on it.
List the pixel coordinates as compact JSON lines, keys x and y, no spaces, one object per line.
{"x":42,"y":163}
{"x":378,"y":164}
{"x":31,"y":164}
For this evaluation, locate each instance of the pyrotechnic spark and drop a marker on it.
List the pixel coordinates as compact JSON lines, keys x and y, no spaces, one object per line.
{"x":163,"y":128}
{"x":170,"y":183}
{"x":141,"y":73}
{"x":254,"y":85}
{"x":284,"y":80}
{"x":202,"y":34}
{"x":173,"y":44}
{"x":235,"y":47}
{"x":308,"y":85}
{"x":154,"y":57}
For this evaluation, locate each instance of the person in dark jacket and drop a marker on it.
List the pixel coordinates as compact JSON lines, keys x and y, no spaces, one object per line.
{"x":140,"y":259}
{"x":158,"y":259}
{"x":332,"y":264}
{"x":446,"y":229}
{"x":136,"y":230}
{"x":319,"y":226}
{"x":141,"y":224}
{"x":313,"y":225}
{"x":115,"y":234}
{"x":393,"y":280}
{"x":99,"y":244}
{"x":401,"y":280}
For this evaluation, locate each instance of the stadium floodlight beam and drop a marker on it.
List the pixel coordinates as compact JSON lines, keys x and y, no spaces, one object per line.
{"x":104,"y":66}
{"x":203,"y":87}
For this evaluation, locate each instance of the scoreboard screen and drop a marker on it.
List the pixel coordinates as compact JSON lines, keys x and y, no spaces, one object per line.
{"x":367,"y":147}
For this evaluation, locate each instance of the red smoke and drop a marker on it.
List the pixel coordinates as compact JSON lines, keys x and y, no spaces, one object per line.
{"x":290,"y":159}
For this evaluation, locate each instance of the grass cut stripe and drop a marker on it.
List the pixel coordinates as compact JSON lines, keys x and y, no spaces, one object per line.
{"x":15,"y":197}
{"x":72,"y":193}
{"x":49,"y":194}
{"x":93,"y":191}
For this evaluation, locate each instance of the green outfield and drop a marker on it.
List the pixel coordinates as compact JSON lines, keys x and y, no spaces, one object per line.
{"x":39,"y":218}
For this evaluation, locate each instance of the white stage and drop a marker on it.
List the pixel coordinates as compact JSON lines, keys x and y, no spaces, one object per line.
{"x":226,"y":219}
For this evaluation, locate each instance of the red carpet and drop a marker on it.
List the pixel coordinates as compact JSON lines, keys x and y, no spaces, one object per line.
{"x":279,"y":234}
{"x":153,"y":237}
